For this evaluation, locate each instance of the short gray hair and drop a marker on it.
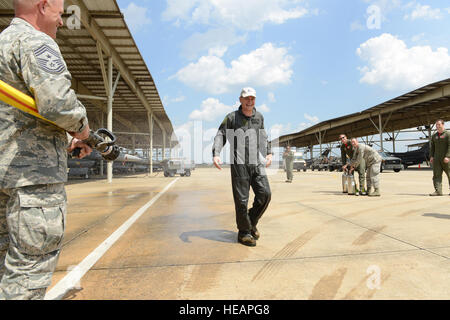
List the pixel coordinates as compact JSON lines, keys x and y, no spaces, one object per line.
{"x":24,"y":3}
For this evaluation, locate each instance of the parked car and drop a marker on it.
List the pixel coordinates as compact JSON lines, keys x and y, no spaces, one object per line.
{"x":299,"y":162}
{"x":182,"y":167}
{"x":389,"y":162}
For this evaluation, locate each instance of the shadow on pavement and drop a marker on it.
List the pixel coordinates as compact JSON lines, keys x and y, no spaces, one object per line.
{"x":437,"y":215}
{"x":215,"y":235}
{"x":331,"y":192}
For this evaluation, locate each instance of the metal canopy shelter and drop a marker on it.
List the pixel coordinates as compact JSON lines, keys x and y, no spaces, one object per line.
{"x":109,"y":75}
{"x":421,"y":107}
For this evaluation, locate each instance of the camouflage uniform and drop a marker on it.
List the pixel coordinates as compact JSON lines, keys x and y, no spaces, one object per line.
{"x":440,"y":149}
{"x":33,"y":160}
{"x":373,"y":164}
{"x":347,"y":152}
{"x":289,"y":163}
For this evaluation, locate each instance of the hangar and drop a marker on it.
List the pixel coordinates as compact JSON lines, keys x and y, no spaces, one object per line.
{"x":110,"y":75}
{"x":421,"y":107}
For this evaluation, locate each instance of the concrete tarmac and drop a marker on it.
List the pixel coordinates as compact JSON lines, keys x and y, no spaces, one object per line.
{"x":316,"y":242}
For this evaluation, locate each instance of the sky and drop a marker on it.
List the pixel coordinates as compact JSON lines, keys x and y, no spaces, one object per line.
{"x":309,"y":60}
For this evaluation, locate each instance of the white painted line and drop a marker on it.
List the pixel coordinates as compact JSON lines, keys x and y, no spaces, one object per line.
{"x":72,"y":279}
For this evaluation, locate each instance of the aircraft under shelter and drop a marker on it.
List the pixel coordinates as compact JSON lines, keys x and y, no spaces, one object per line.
{"x":110,"y":76}
{"x":419,"y":109}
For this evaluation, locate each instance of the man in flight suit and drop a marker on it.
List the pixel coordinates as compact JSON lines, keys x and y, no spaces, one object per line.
{"x":33,"y":153}
{"x":440,"y":156}
{"x":244,"y":130}
{"x":288,"y":157}
{"x":373,"y":163}
{"x":347,"y":152}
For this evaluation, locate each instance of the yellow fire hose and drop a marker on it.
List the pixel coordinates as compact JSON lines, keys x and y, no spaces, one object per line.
{"x":20,"y":100}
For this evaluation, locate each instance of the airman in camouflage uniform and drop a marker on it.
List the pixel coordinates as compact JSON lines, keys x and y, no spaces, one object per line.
{"x":347,"y":152}
{"x":373,"y":164}
{"x":288,"y":157}
{"x":33,"y":153}
{"x":440,"y":156}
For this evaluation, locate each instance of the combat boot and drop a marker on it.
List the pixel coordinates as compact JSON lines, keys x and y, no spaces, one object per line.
{"x":376,"y":193}
{"x":437,"y":189}
{"x":246,"y":239}
{"x":255,"y":233}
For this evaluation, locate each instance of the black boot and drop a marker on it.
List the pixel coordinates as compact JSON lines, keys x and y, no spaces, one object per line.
{"x":255,"y":233}
{"x":246,"y":239}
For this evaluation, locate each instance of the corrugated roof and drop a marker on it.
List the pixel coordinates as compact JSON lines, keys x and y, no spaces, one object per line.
{"x":420,"y":107}
{"x":103,"y":23}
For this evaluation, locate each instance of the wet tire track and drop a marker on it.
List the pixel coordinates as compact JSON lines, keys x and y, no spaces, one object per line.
{"x":274,"y":264}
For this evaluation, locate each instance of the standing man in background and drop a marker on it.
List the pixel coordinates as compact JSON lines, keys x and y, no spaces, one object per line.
{"x":244,"y":130}
{"x":288,"y":157}
{"x":373,"y":163}
{"x":440,"y":156}
{"x":347,"y":152}
{"x":33,"y":153}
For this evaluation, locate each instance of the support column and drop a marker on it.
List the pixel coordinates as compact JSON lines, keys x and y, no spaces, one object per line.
{"x":380,"y":129}
{"x":150,"y":125}
{"x":320,"y":142}
{"x":429,"y":135}
{"x":164,"y":145}
{"x":110,"y":112}
{"x":102,"y":125}
{"x":393,"y":141}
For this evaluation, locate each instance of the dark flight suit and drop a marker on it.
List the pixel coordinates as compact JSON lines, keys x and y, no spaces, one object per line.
{"x":248,"y":140}
{"x":347,"y":151}
{"x":440,"y":149}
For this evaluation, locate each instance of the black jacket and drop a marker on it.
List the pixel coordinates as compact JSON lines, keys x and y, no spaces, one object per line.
{"x":247,"y":137}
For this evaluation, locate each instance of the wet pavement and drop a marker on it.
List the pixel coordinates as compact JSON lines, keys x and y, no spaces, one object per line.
{"x":316,"y":243}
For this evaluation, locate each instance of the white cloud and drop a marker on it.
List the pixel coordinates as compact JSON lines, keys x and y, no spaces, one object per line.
{"x":312,"y":119}
{"x":271,"y":97}
{"x":385,"y":6}
{"x":424,"y":12}
{"x":167,"y":100}
{"x":218,"y":51}
{"x":418,"y":37}
{"x":393,"y":65}
{"x":245,"y":15}
{"x":214,"y":38}
{"x":265,"y":66}
{"x":211,"y":109}
{"x":135,"y":16}
{"x":179,"y":99}
{"x":357,"y":26}
{"x":279,"y":129}
{"x":263,"y":108}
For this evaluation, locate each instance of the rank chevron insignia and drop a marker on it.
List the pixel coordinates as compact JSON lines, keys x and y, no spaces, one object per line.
{"x":49,"y":60}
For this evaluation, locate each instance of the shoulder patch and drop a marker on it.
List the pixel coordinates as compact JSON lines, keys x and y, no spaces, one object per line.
{"x":49,"y":60}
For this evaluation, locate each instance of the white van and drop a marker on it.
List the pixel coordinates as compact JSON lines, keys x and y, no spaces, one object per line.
{"x":299,"y":162}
